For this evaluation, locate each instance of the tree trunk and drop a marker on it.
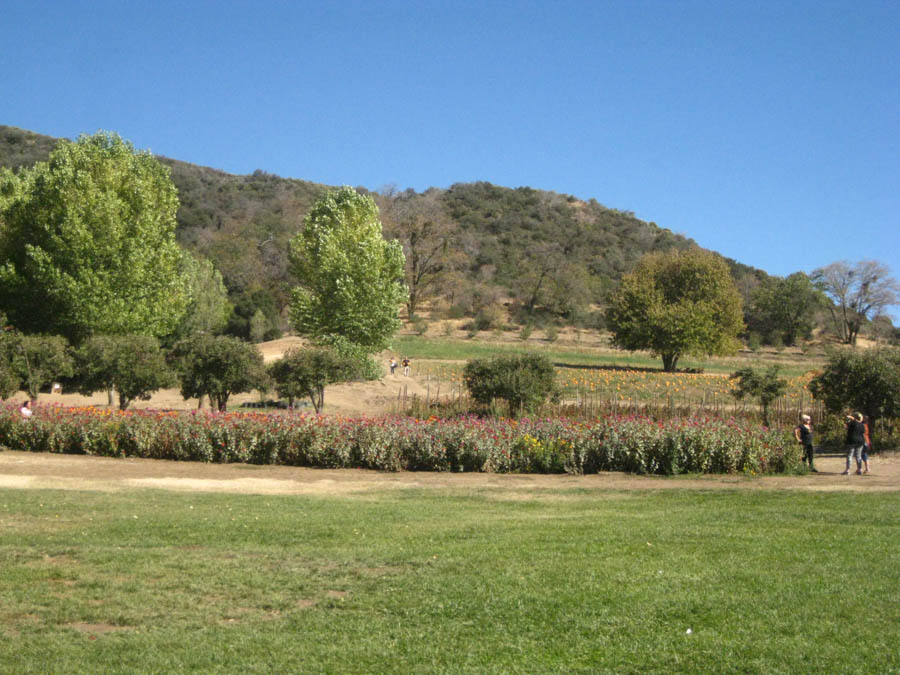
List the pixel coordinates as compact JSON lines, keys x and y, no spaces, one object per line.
{"x":669,"y":361}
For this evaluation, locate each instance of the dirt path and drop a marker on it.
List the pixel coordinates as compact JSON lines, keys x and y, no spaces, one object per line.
{"x":22,"y":470}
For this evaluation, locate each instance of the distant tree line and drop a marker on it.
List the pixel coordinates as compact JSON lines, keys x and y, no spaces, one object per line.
{"x":475,"y":250}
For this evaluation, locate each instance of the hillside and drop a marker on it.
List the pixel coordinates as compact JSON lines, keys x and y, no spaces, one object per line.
{"x":535,"y":250}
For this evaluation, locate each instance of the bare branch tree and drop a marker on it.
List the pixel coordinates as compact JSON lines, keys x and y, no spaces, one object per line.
{"x":858,"y":293}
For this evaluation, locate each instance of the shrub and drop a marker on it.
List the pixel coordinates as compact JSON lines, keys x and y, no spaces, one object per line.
{"x":420,"y":325}
{"x":523,"y":381}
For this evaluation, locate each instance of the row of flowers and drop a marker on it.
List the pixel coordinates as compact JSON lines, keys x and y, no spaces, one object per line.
{"x":632,"y":444}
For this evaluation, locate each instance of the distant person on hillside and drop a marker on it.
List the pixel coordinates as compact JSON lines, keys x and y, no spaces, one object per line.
{"x":406,"y":366}
{"x":804,"y":435}
{"x":855,"y":440}
{"x":26,"y":410}
{"x":393,"y":365}
{"x":868,"y":444}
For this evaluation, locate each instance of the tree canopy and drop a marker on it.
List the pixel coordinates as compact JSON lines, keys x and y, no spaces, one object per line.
{"x":866,"y":381}
{"x":307,"y":371}
{"x":763,"y":385}
{"x":675,"y":304}
{"x":88,"y":243}
{"x":351,"y":279}
{"x":524,"y":381}
{"x":132,"y":365}
{"x":784,"y":309}
{"x":218,"y":366}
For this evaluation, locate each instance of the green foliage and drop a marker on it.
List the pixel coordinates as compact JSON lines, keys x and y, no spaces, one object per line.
{"x":675,"y":304}
{"x":524,"y":381}
{"x":10,"y":381}
{"x":39,"y":360}
{"x":307,"y":371}
{"x":248,"y":305}
{"x":866,"y":381}
{"x":209,"y":308}
{"x":552,"y":253}
{"x":490,"y":444}
{"x":218,"y":366}
{"x":88,"y":243}
{"x":765,"y":386}
{"x":784,"y":309}
{"x":350,"y":277}
{"x":132,"y":365}
{"x":364,"y":364}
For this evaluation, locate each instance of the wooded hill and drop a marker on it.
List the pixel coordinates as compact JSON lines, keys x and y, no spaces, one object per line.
{"x":548,"y":256}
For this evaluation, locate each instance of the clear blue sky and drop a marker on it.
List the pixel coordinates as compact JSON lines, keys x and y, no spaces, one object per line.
{"x":768,"y":131}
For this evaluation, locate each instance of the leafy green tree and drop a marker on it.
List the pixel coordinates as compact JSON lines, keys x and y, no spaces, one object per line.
{"x":9,"y":377}
{"x":524,"y":381}
{"x":675,"y":304}
{"x":132,"y":365}
{"x":209,"y":308}
{"x":246,"y":306}
{"x":866,"y":381}
{"x":785,"y":308}
{"x":307,"y":371}
{"x":39,"y":360}
{"x":351,"y":279}
{"x":218,"y":366}
{"x":88,"y":243}
{"x":765,"y":386}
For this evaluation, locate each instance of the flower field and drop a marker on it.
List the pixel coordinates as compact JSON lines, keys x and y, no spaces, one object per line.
{"x":633,"y":385}
{"x":611,"y":443}
{"x":588,"y":392}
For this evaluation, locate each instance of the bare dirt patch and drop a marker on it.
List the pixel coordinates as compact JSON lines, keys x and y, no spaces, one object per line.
{"x":23,"y":470}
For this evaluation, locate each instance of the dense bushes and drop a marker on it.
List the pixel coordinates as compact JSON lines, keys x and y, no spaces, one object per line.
{"x":632,"y":444}
{"x":524,"y":381}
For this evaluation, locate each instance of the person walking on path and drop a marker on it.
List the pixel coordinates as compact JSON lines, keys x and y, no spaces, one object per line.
{"x":856,"y":439}
{"x":393,"y":365}
{"x":868,"y":444}
{"x":804,"y":435}
{"x":405,"y":364}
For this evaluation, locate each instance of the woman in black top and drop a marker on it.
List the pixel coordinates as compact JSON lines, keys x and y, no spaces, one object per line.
{"x":804,"y":435}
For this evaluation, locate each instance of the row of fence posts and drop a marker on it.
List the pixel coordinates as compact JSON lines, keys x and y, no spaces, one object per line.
{"x":782,"y":412}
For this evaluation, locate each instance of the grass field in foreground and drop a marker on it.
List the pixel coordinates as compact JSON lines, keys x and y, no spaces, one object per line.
{"x":428,"y":581}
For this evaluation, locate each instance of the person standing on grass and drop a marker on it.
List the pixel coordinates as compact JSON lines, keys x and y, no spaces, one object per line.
{"x":868,"y":444}
{"x":856,"y":439}
{"x":804,"y":435}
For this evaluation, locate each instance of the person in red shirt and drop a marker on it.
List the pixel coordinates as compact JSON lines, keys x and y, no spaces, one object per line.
{"x":868,"y":444}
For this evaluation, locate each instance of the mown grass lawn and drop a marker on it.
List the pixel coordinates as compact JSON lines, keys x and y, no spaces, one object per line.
{"x":488,"y":580}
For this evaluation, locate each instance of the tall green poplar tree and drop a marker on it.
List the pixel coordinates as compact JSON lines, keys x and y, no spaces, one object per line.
{"x":87,"y":243}
{"x":351,"y":279}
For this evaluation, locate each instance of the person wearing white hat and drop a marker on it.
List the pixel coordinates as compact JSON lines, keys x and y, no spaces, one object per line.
{"x":804,"y":435}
